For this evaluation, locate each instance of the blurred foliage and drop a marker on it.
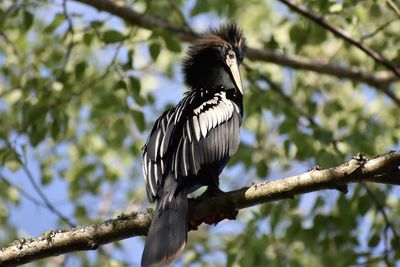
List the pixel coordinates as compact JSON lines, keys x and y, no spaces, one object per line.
{"x":79,"y":91}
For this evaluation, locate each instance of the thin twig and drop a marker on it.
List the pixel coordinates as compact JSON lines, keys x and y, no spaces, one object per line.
{"x":44,"y":197}
{"x":22,"y":192}
{"x":393,"y":5}
{"x":39,"y":191}
{"x":377,"y":30}
{"x":70,"y":30}
{"x":319,"y":19}
{"x":381,"y":209}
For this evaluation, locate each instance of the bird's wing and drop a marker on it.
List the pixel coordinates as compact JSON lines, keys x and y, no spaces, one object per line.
{"x":152,"y":163}
{"x":202,"y":130}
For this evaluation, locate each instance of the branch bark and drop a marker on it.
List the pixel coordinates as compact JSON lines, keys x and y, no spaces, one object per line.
{"x":381,"y":169}
{"x":380,"y":79}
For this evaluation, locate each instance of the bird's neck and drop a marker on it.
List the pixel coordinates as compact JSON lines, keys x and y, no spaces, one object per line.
{"x":206,"y":76}
{"x":211,"y":78}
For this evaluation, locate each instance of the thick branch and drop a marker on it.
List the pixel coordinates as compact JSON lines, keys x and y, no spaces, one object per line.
{"x":382,"y":169}
{"x":377,"y":79}
{"x":319,"y":19}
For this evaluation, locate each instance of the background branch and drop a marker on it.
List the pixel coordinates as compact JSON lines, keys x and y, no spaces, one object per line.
{"x":382,"y":169}
{"x":377,"y":79}
{"x":319,"y":19}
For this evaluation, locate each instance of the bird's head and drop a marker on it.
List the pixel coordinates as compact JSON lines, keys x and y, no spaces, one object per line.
{"x":213,"y":60}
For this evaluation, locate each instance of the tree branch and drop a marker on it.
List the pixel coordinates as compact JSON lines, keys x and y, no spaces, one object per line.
{"x":319,"y":19}
{"x":382,"y":169}
{"x":380,"y":79}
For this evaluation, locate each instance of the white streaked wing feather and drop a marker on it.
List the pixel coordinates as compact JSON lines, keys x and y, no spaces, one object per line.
{"x":218,"y":112}
{"x":158,"y":142}
{"x":203,"y":124}
{"x":189,"y":132}
{"x":209,"y":120}
{"x":184,"y":156}
{"x":162,"y":166}
{"x":150,"y":182}
{"x":214,"y":117}
{"x":157,"y":173}
{"x":144,"y":165}
{"x":196,"y":127}
{"x":237,"y":108}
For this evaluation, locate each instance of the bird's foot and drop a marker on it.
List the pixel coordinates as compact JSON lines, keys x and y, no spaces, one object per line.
{"x":211,"y":191}
{"x":213,"y":219}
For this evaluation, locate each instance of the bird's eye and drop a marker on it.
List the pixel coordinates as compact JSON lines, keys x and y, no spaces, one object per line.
{"x":231,"y":55}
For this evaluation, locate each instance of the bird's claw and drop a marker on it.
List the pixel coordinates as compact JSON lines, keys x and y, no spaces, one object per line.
{"x":213,"y":219}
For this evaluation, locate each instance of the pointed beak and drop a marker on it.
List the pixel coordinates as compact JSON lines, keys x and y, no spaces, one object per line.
{"x":234,"y":68}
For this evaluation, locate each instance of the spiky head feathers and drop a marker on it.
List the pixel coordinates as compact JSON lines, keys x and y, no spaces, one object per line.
{"x":211,"y":49}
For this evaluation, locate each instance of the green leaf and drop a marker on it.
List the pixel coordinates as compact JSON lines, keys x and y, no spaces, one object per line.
{"x":134,"y":84}
{"x":305,"y":145}
{"x":81,"y":212}
{"x":36,"y":112}
{"x":37,"y":133}
{"x":271,"y":44}
{"x":326,"y":159}
{"x":55,"y":128}
{"x":138,"y":117}
{"x":316,"y":34}
{"x":58,"y":19}
{"x":9,"y":158}
{"x":129,"y":62}
{"x":332,"y":107}
{"x":13,"y":195}
{"x":298,"y":35}
{"x":135,"y":90}
{"x":336,"y":8}
{"x":27,"y":20}
{"x":13,"y":165}
{"x":155,"y":49}
{"x":88,"y":38}
{"x":120,"y":84}
{"x":46,"y":177}
{"x":113,"y":36}
{"x":374,"y":241}
{"x":288,"y":125}
{"x":375,"y":10}
{"x":172,"y":43}
{"x":96,"y":23}
{"x":80,"y":69}
{"x":324,"y":136}
{"x":262,"y":169}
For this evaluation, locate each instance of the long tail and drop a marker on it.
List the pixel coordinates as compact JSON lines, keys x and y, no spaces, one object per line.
{"x":168,"y":230}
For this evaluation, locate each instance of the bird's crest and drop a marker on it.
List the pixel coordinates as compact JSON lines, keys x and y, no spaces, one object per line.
{"x":227,"y":34}
{"x":230,"y":33}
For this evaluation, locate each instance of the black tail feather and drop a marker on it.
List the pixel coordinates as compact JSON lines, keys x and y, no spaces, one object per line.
{"x":168,"y":231}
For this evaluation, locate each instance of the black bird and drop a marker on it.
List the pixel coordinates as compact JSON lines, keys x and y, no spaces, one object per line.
{"x":191,"y":143}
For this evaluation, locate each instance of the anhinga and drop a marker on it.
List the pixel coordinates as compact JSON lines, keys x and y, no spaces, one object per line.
{"x":191,"y":143}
